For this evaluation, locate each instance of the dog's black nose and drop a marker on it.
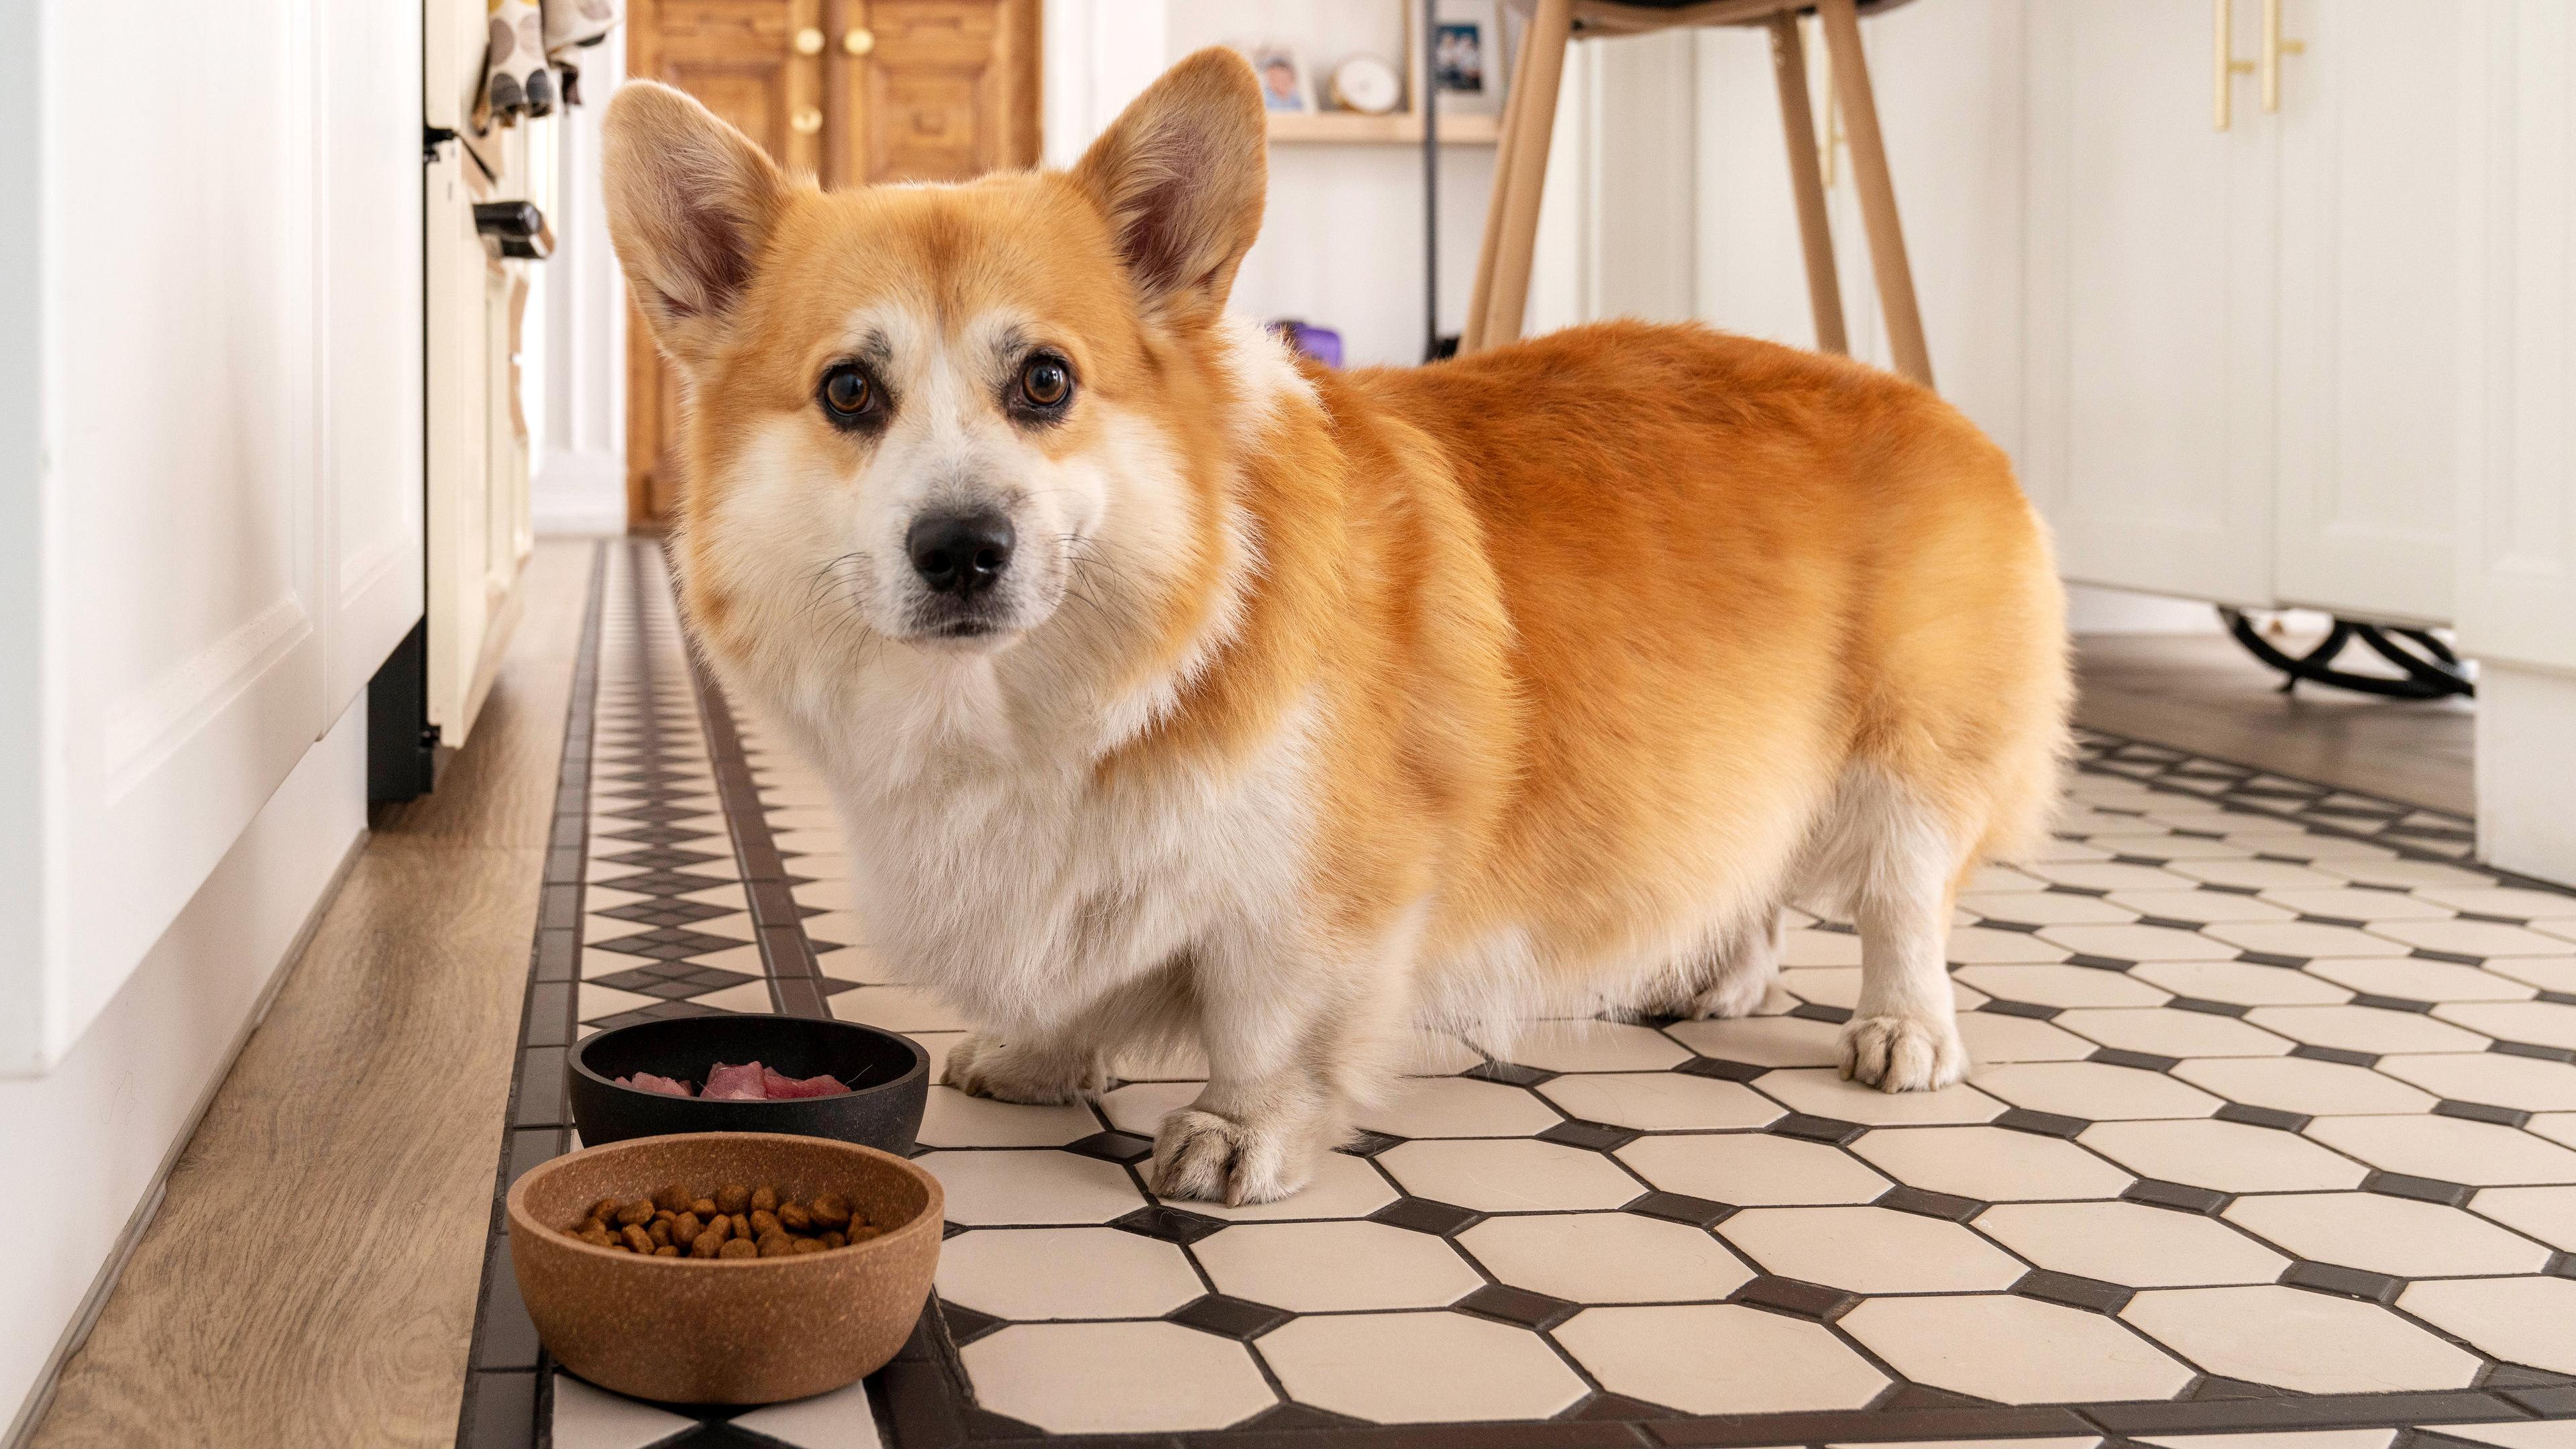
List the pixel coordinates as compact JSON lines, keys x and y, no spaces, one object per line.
{"x":960,"y":553}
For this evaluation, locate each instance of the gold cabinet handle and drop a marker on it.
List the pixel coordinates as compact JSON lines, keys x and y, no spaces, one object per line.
{"x":808,"y":121}
{"x":2224,"y":66}
{"x":859,"y":40}
{"x":2274,"y":47}
{"x":809,"y":41}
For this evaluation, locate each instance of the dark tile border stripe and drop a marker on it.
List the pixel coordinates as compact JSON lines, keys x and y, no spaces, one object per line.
{"x":507,"y":1387}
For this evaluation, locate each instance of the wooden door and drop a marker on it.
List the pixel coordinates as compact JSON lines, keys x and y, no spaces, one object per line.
{"x":850,"y":91}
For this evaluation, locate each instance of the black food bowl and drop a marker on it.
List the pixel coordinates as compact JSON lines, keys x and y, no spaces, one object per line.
{"x":888,"y":1074}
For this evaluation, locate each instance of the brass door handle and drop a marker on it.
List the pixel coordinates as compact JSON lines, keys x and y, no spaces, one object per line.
{"x":807,"y":121}
{"x":809,"y":41}
{"x":2274,"y":47}
{"x":859,"y":40}
{"x":2224,"y":66}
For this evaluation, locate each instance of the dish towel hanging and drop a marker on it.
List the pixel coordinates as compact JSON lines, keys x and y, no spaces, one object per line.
{"x":531,"y":42}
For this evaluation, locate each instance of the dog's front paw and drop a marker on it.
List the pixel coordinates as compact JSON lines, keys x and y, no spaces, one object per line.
{"x":981,"y":1066}
{"x":1903,"y":1053}
{"x":1217,"y":1159}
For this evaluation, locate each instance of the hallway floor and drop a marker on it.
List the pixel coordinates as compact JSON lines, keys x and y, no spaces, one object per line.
{"x":2272,"y":1141}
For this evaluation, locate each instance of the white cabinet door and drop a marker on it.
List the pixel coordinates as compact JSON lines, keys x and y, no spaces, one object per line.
{"x":2150,"y":249}
{"x":2369,"y":226}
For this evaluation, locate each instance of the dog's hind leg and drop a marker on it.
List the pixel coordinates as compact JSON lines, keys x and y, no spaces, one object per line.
{"x":1729,"y":979}
{"x":1893,"y":859}
{"x":1070,"y":1060}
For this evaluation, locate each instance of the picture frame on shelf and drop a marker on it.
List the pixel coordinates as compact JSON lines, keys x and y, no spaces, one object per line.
{"x":1466,"y":57}
{"x":1286,"y":88}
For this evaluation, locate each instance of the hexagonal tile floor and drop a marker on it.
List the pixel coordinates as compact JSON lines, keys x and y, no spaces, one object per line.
{"x":2271,"y":1141}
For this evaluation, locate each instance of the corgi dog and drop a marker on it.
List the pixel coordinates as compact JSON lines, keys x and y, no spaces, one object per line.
{"x":1175,"y":690}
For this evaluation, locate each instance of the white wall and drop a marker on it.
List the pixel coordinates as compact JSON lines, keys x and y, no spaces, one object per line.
{"x":101,"y":1129}
{"x":578,"y":309}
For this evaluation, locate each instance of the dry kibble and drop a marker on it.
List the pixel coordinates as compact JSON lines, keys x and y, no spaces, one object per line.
{"x":597,"y":1238}
{"x":733,"y":1198}
{"x":834,"y":1240}
{"x":635,"y":1213}
{"x":591,"y":1225}
{"x":807,"y":1245}
{"x":672,"y":1224}
{"x":741,"y":1225}
{"x":705,"y":1244}
{"x":686,"y":1227}
{"x":660,"y":1232}
{"x":764,"y":1199}
{"x":606,"y":1209}
{"x":793,"y":1217}
{"x":830,"y":1210}
{"x":763,"y":1223}
{"x":666,"y":1251}
{"x":640,"y":1241}
{"x":704,"y":1207}
{"x":738,"y":1248}
{"x":777,"y":1245}
{"x":672,"y":1198}
{"x":860,"y":1234}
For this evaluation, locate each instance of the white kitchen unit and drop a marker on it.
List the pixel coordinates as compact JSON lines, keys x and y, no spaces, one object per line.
{"x":2315,"y":356}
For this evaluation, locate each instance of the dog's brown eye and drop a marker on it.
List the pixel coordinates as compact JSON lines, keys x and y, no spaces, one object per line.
{"x":848,"y":393}
{"x":1045,"y":383}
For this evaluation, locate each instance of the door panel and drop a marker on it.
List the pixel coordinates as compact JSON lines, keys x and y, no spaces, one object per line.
{"x":946,"y":91}
{"x":2368,"y":208}
{"x":2150,"y":302}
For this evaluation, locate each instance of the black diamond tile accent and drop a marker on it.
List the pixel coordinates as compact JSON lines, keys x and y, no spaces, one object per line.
{"x":1816,"y":1011}
{"x":2143,"y":1061}
{"x":2065,"y":1288}
{"x":1278,"y":1417}
{"x":661,"y":911}
{"x":658,"y":1011}
{"x":2273,"y":958}
{"x":2422,"y":1189}
{"x":1677,"y":1207}
{"x":659,"y":859}
{"x":2272,"y":1117}
{"x":2533,"y":1049}
{"x":669,"y":944}
{"x":1517,"y":1305}
{"x":1119,"y":1147}
{"x":2046,"y":1124}
{"x":2169,"y":923}
{"x":662,"y":883}
{"x":965,"y":1325}
{"x":1590,"y":1136}
{"x":1721,"y":1069}
{"x":1617,"y":1408}
{"x":1229,"y":1317}
{"x":722,"y":1434}
{"x":2482,"y":1112}
{"x":2392,"y":1003}
{"x":2561,"y":1265}
{"x":1790,"y":1295}
{"x":1369,"y":1144}
{"x":2334,"y":1054}
{"x":2070,"y":890}
{"x":2156,"y":1192}
{"x":1832,"y":1131}
{"x":949,"y":1230}
{"x":2099,"y":963}
{"x":1838,"y":928}
{"x":1422,"y":1215}
{"x":2027,"y":928}
{"x":2346,"y":922}
{"x":2209,"y":1008}
{"x":2031,"y":1009}
{"x":2122,"y":859}
{"x":2231,"y":890}
{"x":1510,"y":1074}
{"x":1923,"y":1203}
{"x":1169,"y":1224}
{"x":2346,"y":1282}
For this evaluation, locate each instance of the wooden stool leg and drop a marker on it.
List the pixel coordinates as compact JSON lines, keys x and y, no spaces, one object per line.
{"x":1533,"y":127}
{"x":1472,"y":335}
{"x":1877,"y":190}
{"x":1815,"y":233}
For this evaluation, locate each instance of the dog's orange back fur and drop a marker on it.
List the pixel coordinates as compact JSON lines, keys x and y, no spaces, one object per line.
{"x":1606,"y":644}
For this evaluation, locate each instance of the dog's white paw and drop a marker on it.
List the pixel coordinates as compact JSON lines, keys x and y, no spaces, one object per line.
{"x":1739,"y":994}
{"x":1217,"y":1159}
{"x":1903,"y":1053}
{"x":981,"y":1066}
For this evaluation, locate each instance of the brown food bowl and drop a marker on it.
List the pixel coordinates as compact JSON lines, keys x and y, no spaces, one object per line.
{"x":725,"y":1331}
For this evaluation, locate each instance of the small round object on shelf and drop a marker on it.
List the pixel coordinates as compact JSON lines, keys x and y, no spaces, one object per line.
{"x":1368,"y":85}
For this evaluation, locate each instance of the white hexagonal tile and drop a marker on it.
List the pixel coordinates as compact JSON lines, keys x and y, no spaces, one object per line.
{"x":2141,"y":943}
{"x":2061,"y":986}
{"x":1993,"y":1037}
{"x":2472,"y":938}
{"x":1509,"y":1176}
{"x":1140,"y":1107}
{"x":2130,"y":1243}
{"x":1458,"y":1107}
{"x":2450,"y":1149}
{"x":2528,"y":1083}
{"x":2256,"y":874}
{"x":1335,"y":1266}
{"x":2226,"y":1156}
{"x":2384,"y":1234}
{"x":1807,"y":946}
{"x":1398,"y":1368}
{"x":1343,"y":1187}
{"x":1869,"y":1249}
{"x":1762,"y":1041}
{"x":898,"y":1008}
{"x":1043,"y":1273}
{"x":2241,"y":982}
{"x":1753,"y":1167}
{"x":2549,"y":973}
{"x":2107,"y":875}
{"x":2094,"y":1090}
{"x":2420,"y":980}
{"x":1661,"y":1101}
{"x":2365,"y":1029}
{"x":1031,"y":1186}
{"x":1595,"y":1046}
{"x":1102,"y":1378}
{"x":2309,"y":1342}
{"x":2164,"y":1031}
{"x":2304,"y":1085}
{"x":2201,"y":907}
{"x":1990,"y":1164}
{"x":1719,"y":1358}
{"x":2361,"y":903}
{"x":2047,"y":908}
{"x":2015,"y":1350}
{"x":2519,"y":1320}
{"x":1825,"y":1093}
{"x":2547,"y":1023}
{"x":1606,"y":1258}
{"x":2546,"y":1213}
{"x":1979,"y":945}
{"x":950,"y":1118}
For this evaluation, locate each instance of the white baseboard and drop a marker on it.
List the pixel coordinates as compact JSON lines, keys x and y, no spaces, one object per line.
{"x":2526,"y":792}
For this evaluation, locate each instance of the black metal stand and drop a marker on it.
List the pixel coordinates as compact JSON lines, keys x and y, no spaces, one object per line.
{"x":2430,"y":669}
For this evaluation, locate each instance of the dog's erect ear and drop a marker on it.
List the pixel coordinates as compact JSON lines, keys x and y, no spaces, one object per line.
{"x":691,"y":202}
{"x":1181,"y":175}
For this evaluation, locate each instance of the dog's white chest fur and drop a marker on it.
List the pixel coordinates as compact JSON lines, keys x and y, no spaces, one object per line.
{"x":1013,"y":879}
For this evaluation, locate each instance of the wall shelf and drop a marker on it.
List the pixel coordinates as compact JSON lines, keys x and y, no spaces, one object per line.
{"x":1394,"y":128}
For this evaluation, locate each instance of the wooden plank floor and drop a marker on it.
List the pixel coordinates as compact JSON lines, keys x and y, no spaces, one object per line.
{"x":310,"y":1279}
{"x":2202,"y":692}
